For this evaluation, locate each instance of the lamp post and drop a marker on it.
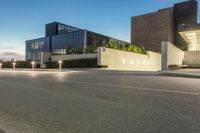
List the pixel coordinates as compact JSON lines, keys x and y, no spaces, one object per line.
{"x":33,"y":64}
{"x":60,"y":64}
{"x":0,"y":65}
{"x":14,"y":64}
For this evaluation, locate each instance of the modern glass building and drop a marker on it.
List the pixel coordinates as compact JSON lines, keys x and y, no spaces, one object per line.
{"x":60,"y":36}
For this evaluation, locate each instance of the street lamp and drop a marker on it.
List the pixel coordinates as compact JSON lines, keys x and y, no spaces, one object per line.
{"x":33,"y":64}
{"x":14,"y":64}
{"x":60,"y":64}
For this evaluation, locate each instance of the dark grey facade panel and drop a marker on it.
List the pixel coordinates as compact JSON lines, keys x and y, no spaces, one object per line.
{"x":57,"y":28}
{"x":51,"y":29}
{"x":150,"y":29}
{"x":184,"y":13}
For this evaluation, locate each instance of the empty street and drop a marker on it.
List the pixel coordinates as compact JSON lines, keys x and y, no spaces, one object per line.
{"x":83,"y":101}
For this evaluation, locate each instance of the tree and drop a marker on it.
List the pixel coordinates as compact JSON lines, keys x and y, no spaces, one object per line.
{"x":91,"y":48}
{"x":126,"y":47}
{"x":111,"y":44}
{"x":69,"y":49}
{"x":79,"y":49}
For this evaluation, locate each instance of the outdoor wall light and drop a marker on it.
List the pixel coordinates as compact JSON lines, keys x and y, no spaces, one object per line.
{"x":60,"y":64}
{"x":138,"y":61}
{"x":124,"y":61}
{"x":132,"y":62}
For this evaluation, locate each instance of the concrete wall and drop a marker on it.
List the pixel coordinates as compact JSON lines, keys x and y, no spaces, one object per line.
{"x":45,"y":56}
{"x":122,"y":60}
{"x":73,"y":57}
{"x":171,"y":55}
{"x":191,"y":58}
{"x":151,"y":29}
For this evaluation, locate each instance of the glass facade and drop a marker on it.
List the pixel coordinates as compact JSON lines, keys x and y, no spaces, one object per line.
{"x":72,"y":39}
{"x":35,"y":47}
{"x":96,"y":39}
{"x":59,"y":37}
{"x":64,"y":29}
{"x":100,"y":40}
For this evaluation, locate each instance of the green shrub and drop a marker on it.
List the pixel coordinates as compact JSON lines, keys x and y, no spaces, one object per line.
{"x":7,"y":64}
{"x":91,"y":49}
{"x":126,"y":47}
{"x":79,"y":50}
{"x":102,"y":66}
{"x":81,"y":63}
{"x":19,"y":64}
{"x":52,"y":65}
{"x":112,"y":45}
{"x":23,"y":64}
{"x":69,"y":49}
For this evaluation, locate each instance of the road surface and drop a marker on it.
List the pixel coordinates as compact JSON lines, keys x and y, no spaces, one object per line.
{"x":83,"y":101}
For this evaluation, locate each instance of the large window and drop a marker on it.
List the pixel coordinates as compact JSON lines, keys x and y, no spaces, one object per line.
{"x":96,"y":39}
{"x":35,"y":47}
{"x":63,"y":29}
{"x":100,"y":40}
{"x":61,"y":42}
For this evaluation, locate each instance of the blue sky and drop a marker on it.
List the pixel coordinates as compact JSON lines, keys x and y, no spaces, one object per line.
{"x":21,"y":20}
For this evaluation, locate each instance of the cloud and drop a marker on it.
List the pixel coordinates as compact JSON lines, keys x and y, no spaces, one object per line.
{"x":11,"y":55}
{"x":9,"y":52}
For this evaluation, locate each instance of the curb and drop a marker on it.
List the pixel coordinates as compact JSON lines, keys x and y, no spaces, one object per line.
{"x":179,"y":75}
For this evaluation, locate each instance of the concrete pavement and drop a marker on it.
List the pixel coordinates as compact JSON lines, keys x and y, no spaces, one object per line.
{"x":81,"y":101}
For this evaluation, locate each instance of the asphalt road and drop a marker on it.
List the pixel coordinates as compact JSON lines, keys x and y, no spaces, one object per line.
{"x":98,"y":102}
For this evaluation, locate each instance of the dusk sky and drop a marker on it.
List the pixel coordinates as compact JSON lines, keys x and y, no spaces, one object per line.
{"x":25,"y":19}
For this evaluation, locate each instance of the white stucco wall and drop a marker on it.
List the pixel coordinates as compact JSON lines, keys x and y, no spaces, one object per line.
{"x":171,"y":55}
{"x":192,"y":57}
{"x":122,"y":60}
{"x":73,"y":57}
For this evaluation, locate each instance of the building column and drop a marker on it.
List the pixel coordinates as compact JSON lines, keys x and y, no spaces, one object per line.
{"x":85,"y":41}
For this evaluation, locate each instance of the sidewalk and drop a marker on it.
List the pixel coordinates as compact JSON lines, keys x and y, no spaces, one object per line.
{"x":38,"y":70}
{"x":187,"y":73}
{"x":81,"y":69}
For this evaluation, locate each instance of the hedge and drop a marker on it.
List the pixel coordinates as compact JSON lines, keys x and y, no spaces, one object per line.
{"x":19,"y":64}
{"x":80,"y":63}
